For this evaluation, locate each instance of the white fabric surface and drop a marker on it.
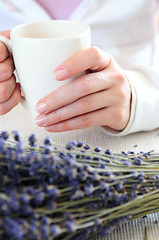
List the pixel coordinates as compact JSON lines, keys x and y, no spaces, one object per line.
{"x":20,"y":119}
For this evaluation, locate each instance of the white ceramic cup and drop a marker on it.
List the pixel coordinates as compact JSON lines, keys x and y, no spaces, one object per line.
{"x":38,"y":48}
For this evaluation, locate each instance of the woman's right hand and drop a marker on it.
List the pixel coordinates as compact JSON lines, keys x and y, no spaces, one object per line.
{"x":10,"y":93}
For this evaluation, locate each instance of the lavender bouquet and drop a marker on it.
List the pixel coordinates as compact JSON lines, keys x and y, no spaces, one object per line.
{"x":73,"y":191}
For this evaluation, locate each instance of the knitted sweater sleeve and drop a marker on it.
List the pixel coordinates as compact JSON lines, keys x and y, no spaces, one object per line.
{"x":144,"y":116}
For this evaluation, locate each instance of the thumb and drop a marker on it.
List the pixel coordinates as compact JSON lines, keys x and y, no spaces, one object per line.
{"x":6,"y":33}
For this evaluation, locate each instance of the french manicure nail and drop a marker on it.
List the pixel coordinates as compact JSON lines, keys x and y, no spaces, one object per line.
{"x":40,"y":120}
{"x":60,"y":73}
{"x":41,"y":107}
{"x":51,"y":128}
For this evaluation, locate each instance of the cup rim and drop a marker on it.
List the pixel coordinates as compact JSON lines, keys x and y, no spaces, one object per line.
{"x":86,"y":29}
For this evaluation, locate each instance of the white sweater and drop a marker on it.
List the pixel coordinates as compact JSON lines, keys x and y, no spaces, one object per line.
{"x":123,"y":28}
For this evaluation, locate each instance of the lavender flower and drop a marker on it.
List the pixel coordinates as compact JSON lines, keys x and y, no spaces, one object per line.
{"x":72,"y":192}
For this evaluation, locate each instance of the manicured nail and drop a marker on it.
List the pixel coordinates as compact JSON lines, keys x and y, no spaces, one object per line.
{"x":41,"y":107}
{"x":60,"y":74}
{"x":40,"y":120}
{"x":51,"y":128}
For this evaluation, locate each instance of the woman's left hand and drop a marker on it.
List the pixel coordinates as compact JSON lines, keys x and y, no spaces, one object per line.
{"x":101,"y":97}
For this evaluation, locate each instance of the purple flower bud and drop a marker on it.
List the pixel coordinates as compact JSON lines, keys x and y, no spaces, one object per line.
{"x":70,"y":155}
{"x":79,"y":144}
{"x":141,"y":178}
{"x":32,"y":231}
{"x":157,"y":177}
{"x":32,"y":140}
{"x":124,"y":198}
{"x":70,"y":145}
{"x":124,"y":153}
{"x":30,"y":191}
{"x":24,"y":199}
{"x":89,"y":189}
{"x":16,"y":136}
{"x":77,"y":195}
{"x":135,"y":186}
{"x":97,"y":222}
{"x":39,"y":197}
{"x":125,"y":162}
{"x":108,"y":152}
{"x":86,"y":146}
{"x":14,"y":205}
{"x":4,"y":135}
{"x":118,"y":186}
{"x":55,"y":230}
{"x":137,"y":161}
{"x":104,"y":185}
{"x":132,"y":152}
{"x":53,"y":192}
{"x":85,"y":167}
{"x":146,"y":154}
{"x":70,"y":225}
{"x":25,"y":210}
{"x":44,"y":220}
{"x":44,"y":232}
{"x":47,"y":141}
{"x":151,"y":178}
{"x":12,"y":229}
{"x":97,"y":149}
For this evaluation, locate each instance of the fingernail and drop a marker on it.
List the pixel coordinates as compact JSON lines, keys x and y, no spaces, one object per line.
{"x":40,"y":120}
{"x":51,"y":128}
{"x":60,"y":74}
{"x":41,"y":107}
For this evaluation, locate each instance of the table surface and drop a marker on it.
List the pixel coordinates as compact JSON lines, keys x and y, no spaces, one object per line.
{"x":19,"y":119}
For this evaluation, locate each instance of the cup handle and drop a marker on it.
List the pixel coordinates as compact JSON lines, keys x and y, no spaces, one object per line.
{"x":7,"y":42}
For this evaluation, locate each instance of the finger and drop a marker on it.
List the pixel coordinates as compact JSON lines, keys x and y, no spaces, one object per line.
{"x":91,"y":119}
{"x":6,"y":33}
{"x":12,"y":102}
{"x":74,"y":90}
{"x":7,"y":88}
{"x":83,"y":105}
{"x":6,"y":69}
{"x":111,"y":117}
{"x":3,"y":49}
{"x":3,"y":52}
{"x":91,"y":58}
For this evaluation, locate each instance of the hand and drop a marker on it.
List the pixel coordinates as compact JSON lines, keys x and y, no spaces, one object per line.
{"x":10,"y":93}
{"x":100,"y":98}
